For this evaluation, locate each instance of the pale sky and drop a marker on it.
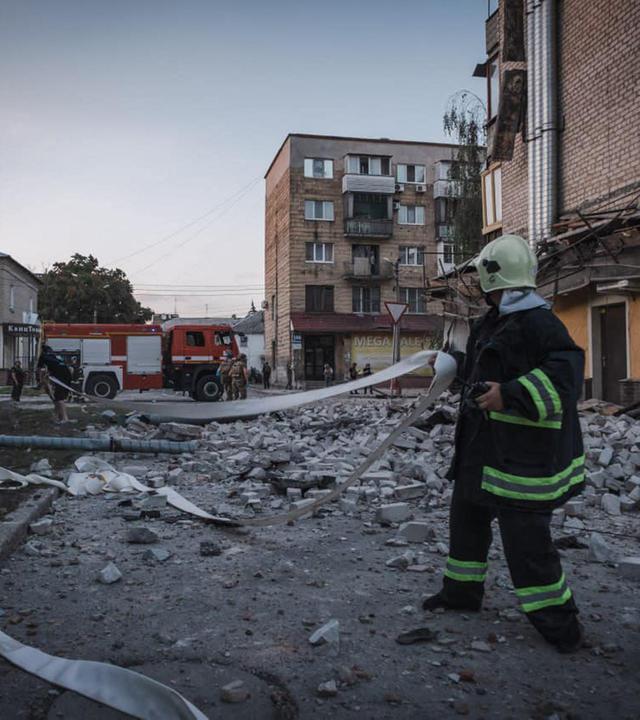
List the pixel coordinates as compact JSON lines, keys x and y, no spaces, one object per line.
{"x":146,"y":126}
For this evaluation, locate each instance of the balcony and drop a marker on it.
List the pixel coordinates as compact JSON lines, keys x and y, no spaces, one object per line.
{"x":377,"y":184}
{"x":362,"y":269}
{"x":364,"y":227}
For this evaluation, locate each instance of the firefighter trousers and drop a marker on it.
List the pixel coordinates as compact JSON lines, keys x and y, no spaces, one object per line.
{"x":533,"y":561}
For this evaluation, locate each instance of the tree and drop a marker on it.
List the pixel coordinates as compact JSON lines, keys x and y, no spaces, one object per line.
{"x":464,"y":121}
{"x":81,"y":291}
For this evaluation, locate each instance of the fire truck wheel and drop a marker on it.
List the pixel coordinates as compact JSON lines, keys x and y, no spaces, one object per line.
{"x":102,"y":386}
{"x":208,"y":389}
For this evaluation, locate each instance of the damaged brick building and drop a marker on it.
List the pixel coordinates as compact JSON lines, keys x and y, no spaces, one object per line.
{"x":563,"y":167}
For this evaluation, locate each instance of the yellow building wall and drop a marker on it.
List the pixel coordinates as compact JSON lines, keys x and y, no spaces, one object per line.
{"x":573,"y":310}
{"x":634,"y":336}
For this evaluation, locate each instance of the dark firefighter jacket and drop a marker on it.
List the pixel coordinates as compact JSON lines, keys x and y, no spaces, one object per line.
{"x":530,"y":454}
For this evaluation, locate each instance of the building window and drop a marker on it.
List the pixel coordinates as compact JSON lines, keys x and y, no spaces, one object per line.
{"x":366,"y":299}
{"x":318,"y":168}
{"x":367,"y":165}
{"x":411,"y":174}
{"x":411,"y":215}
{"x":443,"y":209}
{"x":318,"y":210}
{"x":447,"y":254}
{"x":319,"y":252}
{"x":12,"y":298}
{"x":415,"y":299}
{"x":318,"y":298}
{"x":492,"y":199}
{"x":411,"y":255}
{"x":370,"y":206}
{"x":493,"y":86}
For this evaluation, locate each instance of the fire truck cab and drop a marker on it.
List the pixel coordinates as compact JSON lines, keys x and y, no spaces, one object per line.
{"x":191,"y":356}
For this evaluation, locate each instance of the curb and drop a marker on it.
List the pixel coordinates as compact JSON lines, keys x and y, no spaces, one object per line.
{"x":14,"y":530}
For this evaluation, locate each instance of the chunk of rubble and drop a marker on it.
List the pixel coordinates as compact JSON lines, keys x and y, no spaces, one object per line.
{"x":234,"y":692}
{"x":416,"y":531}
{"x":629,"y":567}
{"x":327,"y":689}
{"x":394,"y":513}
{"x":599,"y":550}
{"x":141,"y":536}
{"x":109,"y":574}
{"x":328,"y":633}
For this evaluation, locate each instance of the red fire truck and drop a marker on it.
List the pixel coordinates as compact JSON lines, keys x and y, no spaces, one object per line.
{"x":110,"y":358}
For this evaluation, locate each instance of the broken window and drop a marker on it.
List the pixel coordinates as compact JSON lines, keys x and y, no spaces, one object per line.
{"x":493,"y":87}
{"x":491,"y":199}
{"x":318,"y":298}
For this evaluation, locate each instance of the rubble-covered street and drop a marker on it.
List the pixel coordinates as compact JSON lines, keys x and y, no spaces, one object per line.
{"x":302,"y":620}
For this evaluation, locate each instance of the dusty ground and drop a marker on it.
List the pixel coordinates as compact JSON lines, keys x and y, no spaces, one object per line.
{"x":198,"y":623}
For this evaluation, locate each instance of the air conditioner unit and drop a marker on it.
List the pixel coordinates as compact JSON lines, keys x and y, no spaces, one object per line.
{"x":264,"y":305}
{"x":399,"y":187}
{"x":396,"y":206}
{"x":421,"y":188}
{"x":631,"y":286}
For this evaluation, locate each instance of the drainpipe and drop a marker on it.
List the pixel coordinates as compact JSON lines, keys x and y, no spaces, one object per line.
{"x":531,"y":138}
{"x":549,"y":125}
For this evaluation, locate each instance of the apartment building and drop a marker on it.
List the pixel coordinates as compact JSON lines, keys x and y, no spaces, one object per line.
{"x":563,"y":170}
{"x":18,"y":314}
{"x":351,"y":223}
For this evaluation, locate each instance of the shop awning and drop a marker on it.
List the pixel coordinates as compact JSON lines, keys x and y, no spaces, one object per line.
{"x":352,"y":323}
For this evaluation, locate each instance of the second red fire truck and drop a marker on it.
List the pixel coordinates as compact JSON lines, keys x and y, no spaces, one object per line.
{"x":110,"y":358}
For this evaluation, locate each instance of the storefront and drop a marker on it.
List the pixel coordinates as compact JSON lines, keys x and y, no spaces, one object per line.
{"x":20,"y":342}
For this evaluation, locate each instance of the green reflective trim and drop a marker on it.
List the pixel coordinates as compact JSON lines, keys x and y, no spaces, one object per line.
{"x":535,"y":396}
{"x":544,"y":379}
{"x":538,"y":605}
{"x":465,"y":578}
{"x":519,"y":420}
{"x":534,"y":590}
{"x":518,"y":487}
{"x":467,"y":563}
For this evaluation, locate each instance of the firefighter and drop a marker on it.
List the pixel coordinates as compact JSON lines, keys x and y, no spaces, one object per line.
{"x":224,"y":372}
{"x":518,"y":447}
{"x":239,"y":378}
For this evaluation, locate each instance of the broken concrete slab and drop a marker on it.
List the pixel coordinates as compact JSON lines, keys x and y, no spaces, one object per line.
{"x":416,"y":531}
{"x":393,"y":513}
{"x":611,"y":504}
{"x":630,"y":567}
{"x":412,"y":491}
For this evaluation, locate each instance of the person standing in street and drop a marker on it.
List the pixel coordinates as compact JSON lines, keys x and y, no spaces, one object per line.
{"x":289,"y":376}
{"x":327,"y":372}
{"x":51,"y":368}
{"x":518,"y":447}
{"x":16,"y":380}
{"x":224,"y":372}
{"x":353,"y":375}
{"x":365,"y":373}
{"x":266,"y":375}
{"x":239,"y":378}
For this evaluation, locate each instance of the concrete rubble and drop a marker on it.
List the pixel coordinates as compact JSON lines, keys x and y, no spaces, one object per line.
{"x":392,"y":526}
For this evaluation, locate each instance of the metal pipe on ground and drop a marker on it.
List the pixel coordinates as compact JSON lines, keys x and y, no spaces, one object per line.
{"x":104,"y":444}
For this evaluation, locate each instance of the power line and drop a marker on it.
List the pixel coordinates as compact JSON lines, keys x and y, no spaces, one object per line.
{"x":191,"y":223}
{"x":203,"y":228}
